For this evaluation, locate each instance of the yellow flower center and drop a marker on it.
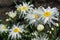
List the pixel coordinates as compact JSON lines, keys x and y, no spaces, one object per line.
{"x":46,"y":14}
{"x":35,"y":16}
{"x":23,"y":8}
{"x":16,"y":30}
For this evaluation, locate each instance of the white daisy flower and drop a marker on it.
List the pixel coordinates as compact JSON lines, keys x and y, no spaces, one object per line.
{"x":14,"y":32}
{"x":33,"y":17}
{"x":12,"y":14}
{"x":44,"y":37}
{"x":3,"y":28}
{"x":48,"y":14}
{"x":24,"y":8}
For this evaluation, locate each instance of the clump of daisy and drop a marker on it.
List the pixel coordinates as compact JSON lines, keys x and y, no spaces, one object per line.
{"x":24,"y":8}
{"x":12,"y":14}
{"x":3,"y":28}
{"x":33,"y":17}
{"x":42,"y":37}
{"x":16,"y":31}
{"x":48,"y":15}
